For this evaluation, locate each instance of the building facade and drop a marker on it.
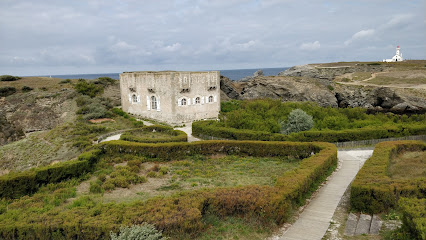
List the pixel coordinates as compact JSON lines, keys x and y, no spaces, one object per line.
{"x":170,"y":96}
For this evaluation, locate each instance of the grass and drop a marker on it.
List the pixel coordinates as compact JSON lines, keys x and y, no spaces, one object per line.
{"x":359,"y":76}
{"x":408,"y":165}
{"x":235,"y":228}
{"x":196,"y":172}
{"x":229,"y":171}
{"x":385,"y":80}
{"x":52,"y":84}
{"x":151,"y":135}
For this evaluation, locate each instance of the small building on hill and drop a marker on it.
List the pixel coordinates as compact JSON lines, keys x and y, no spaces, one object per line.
{"x":170,"y":96}
{"x":397,"y":57}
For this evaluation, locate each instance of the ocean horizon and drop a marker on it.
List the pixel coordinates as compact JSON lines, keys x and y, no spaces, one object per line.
{"x":233,"y":74}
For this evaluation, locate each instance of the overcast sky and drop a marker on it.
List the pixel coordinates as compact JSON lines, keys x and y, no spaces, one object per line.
{"x":46,"y":37}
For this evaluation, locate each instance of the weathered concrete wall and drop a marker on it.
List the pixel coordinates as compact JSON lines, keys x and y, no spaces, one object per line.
{"x":179,"y":96}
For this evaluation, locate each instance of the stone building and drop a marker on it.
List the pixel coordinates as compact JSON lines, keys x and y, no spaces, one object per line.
{"x":170,"y":96}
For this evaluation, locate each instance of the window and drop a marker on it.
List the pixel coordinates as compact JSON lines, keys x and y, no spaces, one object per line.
{"x":135,"y":98}
{"x":197,"y":100}
{"x":183,"y":101}
{"x":153,"y":103}
{"x":211,"y":99}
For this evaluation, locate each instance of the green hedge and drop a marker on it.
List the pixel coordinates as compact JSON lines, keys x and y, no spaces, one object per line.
{"x":373,"y":191}
{"x":15,"y":185}
{"x":184,"y":212}
{"x":414,"y":216}
{"x":209,"y":128}
{"x":175,"y":135}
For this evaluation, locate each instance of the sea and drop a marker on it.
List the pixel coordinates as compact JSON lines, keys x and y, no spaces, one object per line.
{"x":234,"y":74}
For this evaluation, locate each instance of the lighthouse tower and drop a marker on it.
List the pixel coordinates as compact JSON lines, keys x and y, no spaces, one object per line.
{"x":397,"y":57}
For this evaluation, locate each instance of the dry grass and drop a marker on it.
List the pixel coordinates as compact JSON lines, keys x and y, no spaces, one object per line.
{"x":52,"y":84}
{"x":408,"y":165}
{"x":385,"y":80}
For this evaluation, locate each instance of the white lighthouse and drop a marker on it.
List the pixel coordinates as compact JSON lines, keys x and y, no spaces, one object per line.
{"x":397,"y":57}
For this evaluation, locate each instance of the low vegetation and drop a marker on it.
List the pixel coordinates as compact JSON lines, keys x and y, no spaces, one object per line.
{"x":154,"y":134}
{"x":8,"y":78}
{"x":259,"y":120}
{"x":380,"y":187}
{"x":7,"y":91}
{"x":183,"y":214}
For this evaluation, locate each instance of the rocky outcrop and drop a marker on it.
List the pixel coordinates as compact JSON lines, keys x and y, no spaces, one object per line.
{"x":228,"y":90}
{"x":9,"y":132}
{"x":323,"y":71}
{"x":258,"y":73}
{"x":378,"y":99}
{"x":35,"y":111}
{"x":289,"y":89}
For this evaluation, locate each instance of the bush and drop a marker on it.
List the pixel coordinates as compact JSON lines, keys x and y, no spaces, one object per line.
{"x":26,"y":89}
{"x":297,"y":121}
{"x":138,"y":232}
{"x":373,"y":191}
{"x":175,"y":135}
{"x":96,"y":187}
{"x":87,"y":88}
{"x":414,"y":216}
{"x":7,"y":91}
{"x":65,"y":81}
{"x":15,"y":185}
{"x":9,"y":78}
{"x":183,"y":212}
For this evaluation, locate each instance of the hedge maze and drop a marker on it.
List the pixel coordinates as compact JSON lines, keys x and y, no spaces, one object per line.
{"x":44,"y":212}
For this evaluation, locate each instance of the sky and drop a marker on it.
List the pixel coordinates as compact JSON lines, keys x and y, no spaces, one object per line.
{"x":50,"y":37}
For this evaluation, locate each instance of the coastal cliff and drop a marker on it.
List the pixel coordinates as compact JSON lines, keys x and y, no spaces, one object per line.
{"x":375,"y":86}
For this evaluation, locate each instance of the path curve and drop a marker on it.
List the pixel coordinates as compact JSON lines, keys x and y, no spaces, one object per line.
{"x":315,"y":219}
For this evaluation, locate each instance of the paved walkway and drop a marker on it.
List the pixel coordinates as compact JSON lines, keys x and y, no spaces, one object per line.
{"x":314,"y":221}
{"x":188,"y":130}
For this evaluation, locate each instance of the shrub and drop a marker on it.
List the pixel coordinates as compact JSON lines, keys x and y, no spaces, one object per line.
{"x":65,"y":81}
{"x":87,"y":88}
{"x":7,"y":91}
{"x":95,"y":187}
{"x":414,"y":216}
{"x":26,"y":89}
{"x":182,"y":213}
{"x":8,"y":78}
{"x":297,"y":121}
{"x":138,"y":232}
{"x":15,"y":185}
{"x":373,"y":191}
{"x":175,"y":135}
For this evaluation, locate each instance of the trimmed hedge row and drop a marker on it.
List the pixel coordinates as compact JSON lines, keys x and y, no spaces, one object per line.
{"x":373,"y":191}
{"x":414,"y":216}
{"x":175,"y":135}
{"x":184,"y":212}
{"x":208,"y":128}
{"x":15,"y":185}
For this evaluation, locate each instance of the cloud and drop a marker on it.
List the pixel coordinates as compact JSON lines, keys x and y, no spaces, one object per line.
{"x":310,"y":46}
{"x":363,"y":34}
{"x":173,"y":47}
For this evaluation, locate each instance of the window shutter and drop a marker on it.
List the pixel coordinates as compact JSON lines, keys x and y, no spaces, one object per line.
{"x":179,"y":102}
{"x":130,"y":98}
{"x":188,"y":101}
{"x":139,"y":98}
{"x":148,"y":105}
{"x":158,"y":103}
{"x":214,"y":99}
{"x":202,"y":100}
{"x":193,"y":101}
